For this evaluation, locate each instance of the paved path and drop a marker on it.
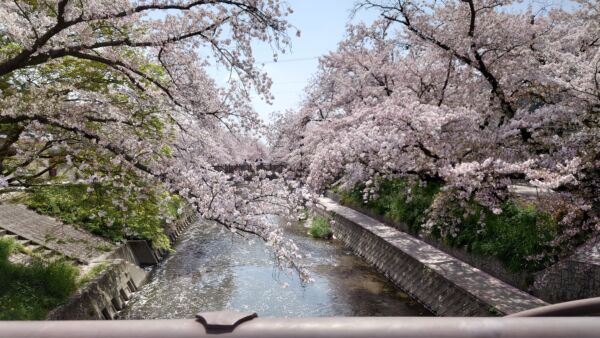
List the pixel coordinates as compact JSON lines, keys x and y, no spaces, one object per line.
{"x":588,"y":253}
{"x":502,"y":296}
{"x":53,"y":234}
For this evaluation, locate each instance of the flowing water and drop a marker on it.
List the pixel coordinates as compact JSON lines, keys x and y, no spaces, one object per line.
{"x":213,"y":269}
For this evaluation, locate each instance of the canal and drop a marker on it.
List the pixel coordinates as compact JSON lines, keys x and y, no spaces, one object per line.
{"x":213,"y":269}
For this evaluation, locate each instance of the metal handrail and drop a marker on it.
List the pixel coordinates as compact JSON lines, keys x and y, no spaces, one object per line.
{"x":530,"y":323}
{"x":581,"y":307}
{"x":372,"y":327}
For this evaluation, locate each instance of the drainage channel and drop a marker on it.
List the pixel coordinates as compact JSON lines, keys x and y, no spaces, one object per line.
{"x":214,"y":270}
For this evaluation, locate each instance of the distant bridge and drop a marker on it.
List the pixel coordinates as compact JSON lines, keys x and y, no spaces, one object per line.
{"x":251,"y":168}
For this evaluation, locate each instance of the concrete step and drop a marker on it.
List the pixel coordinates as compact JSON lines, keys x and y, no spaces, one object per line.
{"x":19,"y":258}
{"x":46,"y":253}
{"x":23,"y":242}
{"x":33,"y":247}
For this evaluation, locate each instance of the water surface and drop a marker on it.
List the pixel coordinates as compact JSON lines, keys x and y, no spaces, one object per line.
{"x":214,"y":270}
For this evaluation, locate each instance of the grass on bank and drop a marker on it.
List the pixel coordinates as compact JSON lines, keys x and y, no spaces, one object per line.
{"x":140,"y":216}
{"x":519,"y":236}
{"x":398,"y":201}
{"x":28,"y":292}
{"x":521,"y":231}
{"x":92,"y":273}
{"x":320,"y":228}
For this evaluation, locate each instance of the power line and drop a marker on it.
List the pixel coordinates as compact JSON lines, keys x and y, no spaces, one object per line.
{"x":289,"y":60}
{"x":215,"y":65}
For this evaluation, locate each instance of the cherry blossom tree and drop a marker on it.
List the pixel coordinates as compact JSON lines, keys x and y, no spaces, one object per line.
{"x":476,"y":94}
{"x":118,"y":91}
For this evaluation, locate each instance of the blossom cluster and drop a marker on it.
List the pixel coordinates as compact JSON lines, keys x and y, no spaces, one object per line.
{"x":476,"y":94}
{"x":117,"y":92}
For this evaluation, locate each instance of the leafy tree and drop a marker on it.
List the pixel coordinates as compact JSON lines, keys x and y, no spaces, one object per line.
{"x":117,"y":92}
{"x":475,"y":95}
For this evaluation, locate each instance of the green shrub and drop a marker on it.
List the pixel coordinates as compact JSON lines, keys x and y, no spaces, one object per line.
{"x":7,"y":247}
{"x":139,"y":217}
{"x":94,"y":271}
{"x":521,"y":231}
{"x":398,"y":200}
{"x":28,"y":292}
{"x":320,"y":228}
{"x":519,"y":236}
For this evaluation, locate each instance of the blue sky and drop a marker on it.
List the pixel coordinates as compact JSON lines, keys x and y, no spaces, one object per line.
{"x":322,"y":24}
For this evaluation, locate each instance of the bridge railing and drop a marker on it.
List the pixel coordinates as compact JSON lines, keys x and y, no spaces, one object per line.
{"x":375,"y":327}
{"x":539,"y":322}
{"x":250,"y":167}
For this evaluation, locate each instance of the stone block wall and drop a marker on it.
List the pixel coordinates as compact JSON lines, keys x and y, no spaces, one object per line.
{"x":568,"y":280}
{"x":436,"y":293}
{"x":104,"y":296}
{"x":491,"y":265}
{"x":575,"y":277}
{"x":443,"y":284}
{"x":107,"y":294}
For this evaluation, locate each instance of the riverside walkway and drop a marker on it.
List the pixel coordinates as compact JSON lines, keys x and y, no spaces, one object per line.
{"x":444,"y":284}
{"x":46,"y":234}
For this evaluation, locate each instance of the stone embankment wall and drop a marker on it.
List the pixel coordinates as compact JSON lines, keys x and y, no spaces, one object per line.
{"x":491,"y":265}
{"x":141,"y":253}
{"x":108,"y":293}
{"x":575,"y":277}
{"x":103,"y":296}
{"x":442,"y":283}
{"x":175,"y":229}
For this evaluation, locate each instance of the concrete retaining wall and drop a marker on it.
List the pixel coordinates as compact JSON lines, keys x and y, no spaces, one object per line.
{"x":141,"y":253}
{"x":107,"y":294}
{"x":104,"y":296}
{"x":175,"y":229}
{"x":491,"y":265}
{"x":574,"y":277}
{"x":442,"y":283}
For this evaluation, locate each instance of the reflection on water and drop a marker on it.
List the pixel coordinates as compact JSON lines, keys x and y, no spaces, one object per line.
{"x":215,"y":270}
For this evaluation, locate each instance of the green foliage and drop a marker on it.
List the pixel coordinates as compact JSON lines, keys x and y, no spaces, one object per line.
{"x":84,"y":74}
{"x":94,"y":271}
{"x":519,"y":236}
{"x":9,"y":49}
{"x":7,"y":247}
{"x":304,"y":214}
{"x":520,"y":231}
{"x":28,"y":292}
{"x":134,"y":216}
{"x":398,"y":200}
{"x":166,"y":150}
{"x":320,"y":228}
